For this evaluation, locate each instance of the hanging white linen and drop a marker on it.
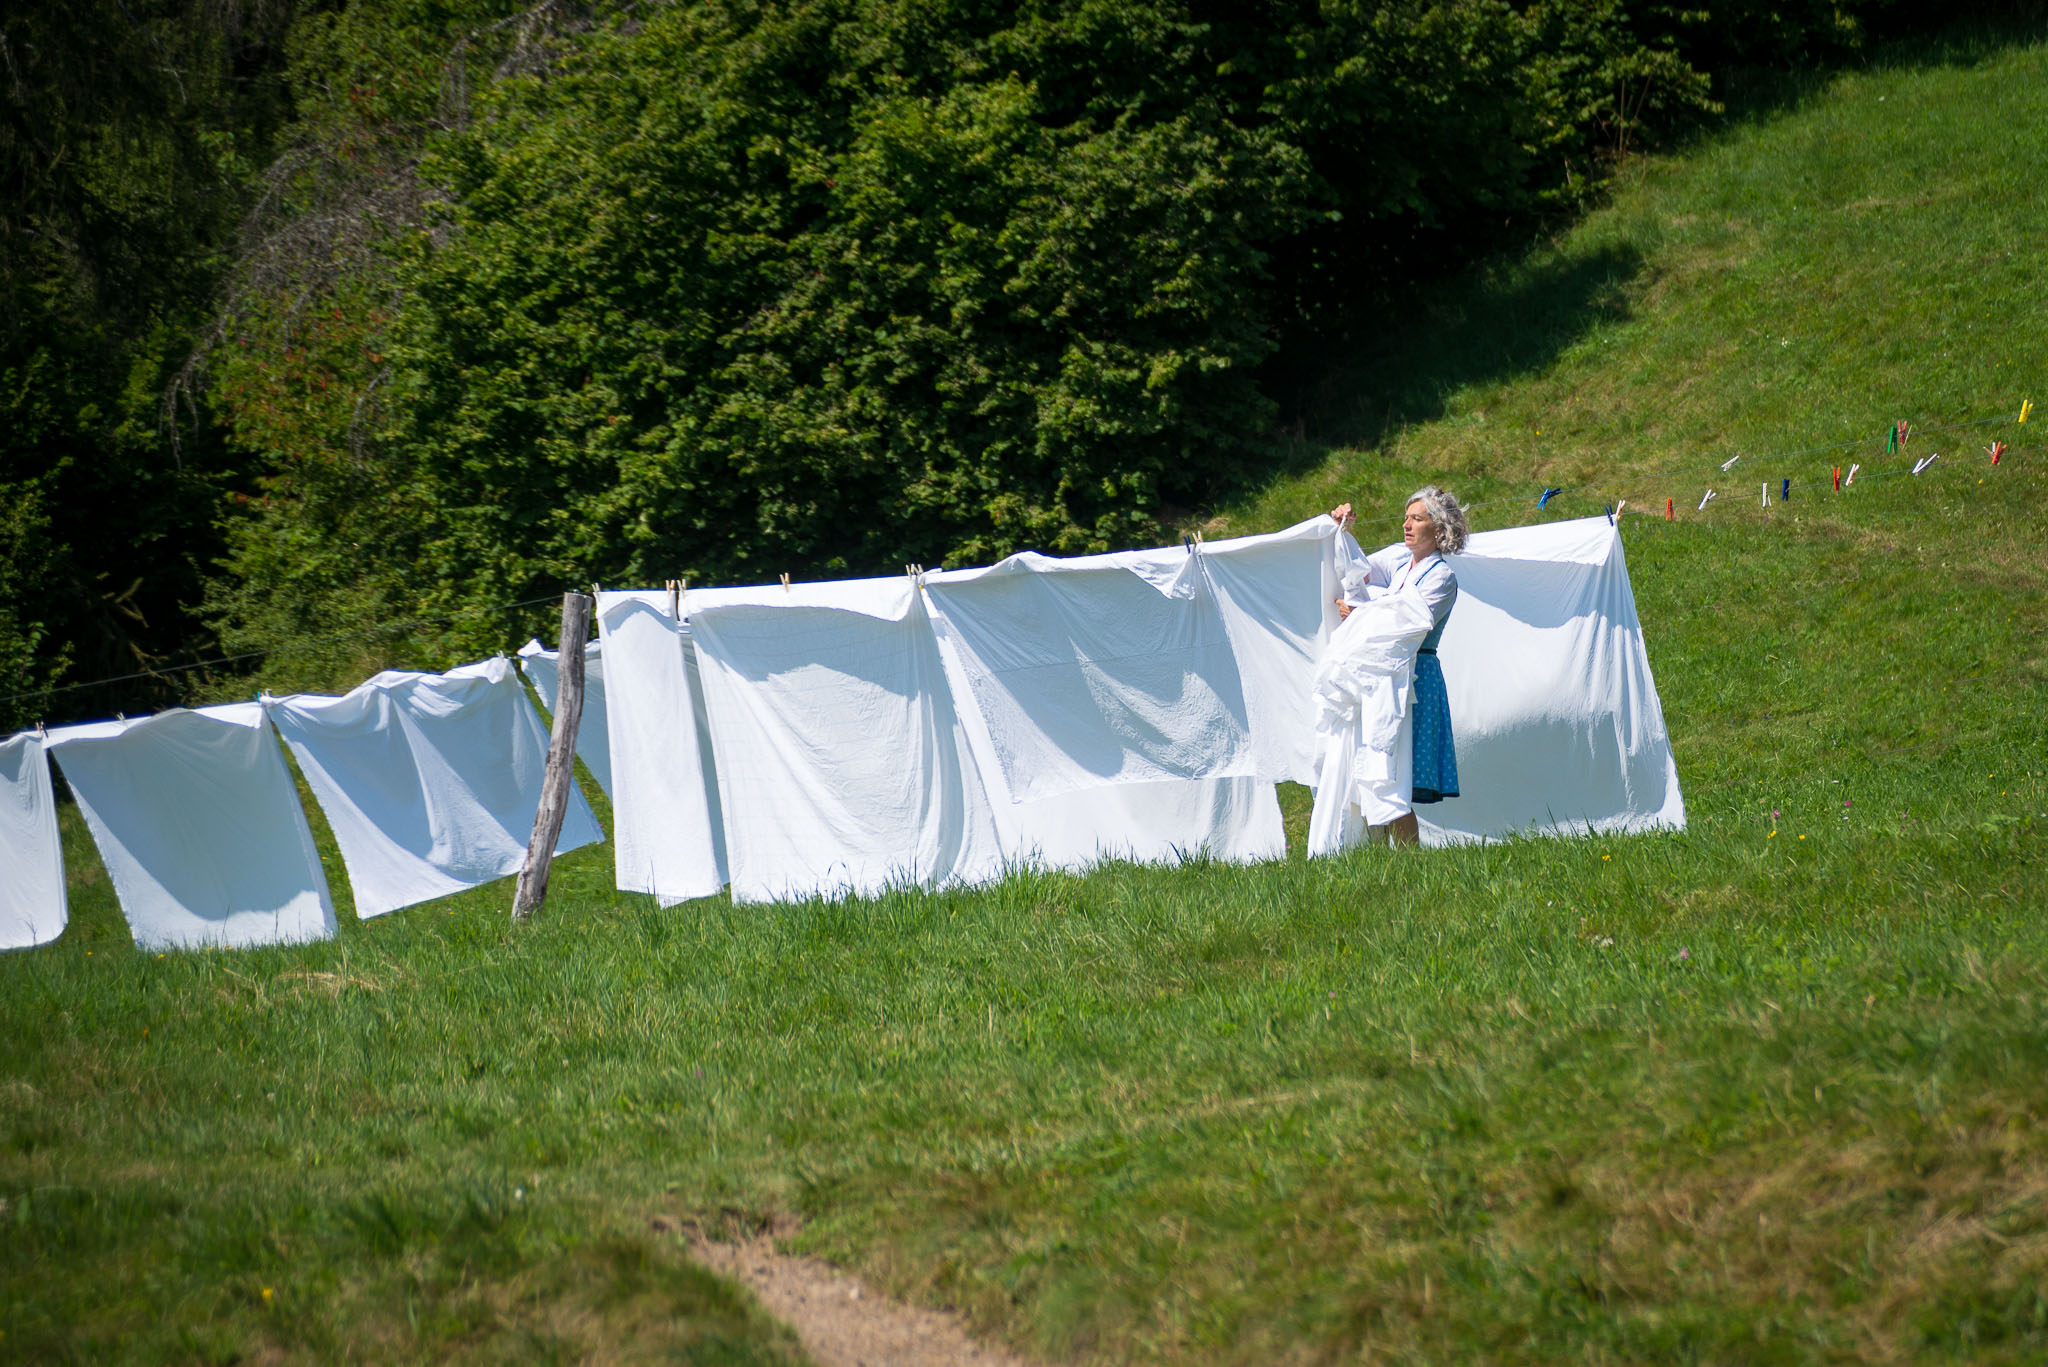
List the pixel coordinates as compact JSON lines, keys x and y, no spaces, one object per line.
{"x":593,"y":728}
{"x":1364,"y":721}
{"x":1096,"y":670}
{"x":199,"y":825}
{"x":1277,"y":593}
{"x":668,"y":837}
{"x":429,"y":781}
{"x":33,"y":910}
{"x":841,"y":764}
{"x":1555,"y":714}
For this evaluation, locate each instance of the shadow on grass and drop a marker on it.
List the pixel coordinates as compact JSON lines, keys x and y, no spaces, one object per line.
{"x":1513,"y":312}
{"x":1495,"y":322}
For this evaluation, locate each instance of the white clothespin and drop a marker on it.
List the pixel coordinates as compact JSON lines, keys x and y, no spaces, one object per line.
{"x":1729,"y":463}
{"x":1850,"y":478}
{"x":785,"y":583}
{"x":675,"y":599}
{"x":1614,"y":518}
{"x":1925,"y":461}
{"x":593,"y":591}
{"x":1705,"y":501}
{"x":1767,"y":493}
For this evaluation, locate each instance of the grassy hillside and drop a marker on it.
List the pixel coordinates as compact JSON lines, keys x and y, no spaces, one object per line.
{"x":1772,"y":1090}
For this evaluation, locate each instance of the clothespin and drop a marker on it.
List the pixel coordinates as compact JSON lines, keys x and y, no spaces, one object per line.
{"x":1851,"y":477}
{"x":1705,"y":501}
{"x":1997,"y":449}
{"x":593,"y":590}
{"x":1617,"y":509}
{"x":2026,"y":407}
{"x":1838,"y":479}
{"x":1925,"y":461}
{"x":785,"y":582}
{"x":675,"y":600}
{"x":1785,"y":491}
{"x":1668,"y":515}
{"x":1729,"y":463}
{"x":1543,"y":500}
{"x":1765,"y":489}
{"x":1898,"y":440}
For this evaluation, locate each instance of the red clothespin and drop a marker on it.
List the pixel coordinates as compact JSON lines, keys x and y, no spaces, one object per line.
{"x":1997,"y":449}
{"x":1838,"y":479}
{"x":1667,"y":511}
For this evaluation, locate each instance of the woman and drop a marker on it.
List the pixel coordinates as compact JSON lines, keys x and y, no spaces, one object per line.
{"x":1433,"y":528}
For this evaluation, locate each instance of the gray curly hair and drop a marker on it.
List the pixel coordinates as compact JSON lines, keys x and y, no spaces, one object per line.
{"x":1445,"y":515}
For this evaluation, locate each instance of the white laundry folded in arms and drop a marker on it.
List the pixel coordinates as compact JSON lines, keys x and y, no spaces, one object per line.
{"x":199,"y":825}
{"x":33,"y":908}
{"x":1363,"y":720}
{"x":429,"y":781}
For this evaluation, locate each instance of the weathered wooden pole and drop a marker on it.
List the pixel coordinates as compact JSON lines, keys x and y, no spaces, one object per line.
{"x":532,"y":889}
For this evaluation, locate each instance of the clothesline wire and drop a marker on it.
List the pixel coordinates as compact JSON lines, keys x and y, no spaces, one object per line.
{"x":385,"y":629}
{"x":530,"y":602}
{"x":1688,"y":462}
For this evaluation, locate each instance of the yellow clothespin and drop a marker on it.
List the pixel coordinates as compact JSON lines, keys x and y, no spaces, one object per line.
{"x":2026,"y":407}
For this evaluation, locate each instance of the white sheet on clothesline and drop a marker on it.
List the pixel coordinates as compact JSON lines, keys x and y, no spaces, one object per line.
{"x":199,"y":825}
{"x":1277,"y":593}
{"x":1097,"y":670}
{"x":668,"y":837}
{"x":1555,"y":715}
{"x":593,"y":729}
{"x":429,"y":781}
{"x":32,"y":900}
{"x":841,"y":764}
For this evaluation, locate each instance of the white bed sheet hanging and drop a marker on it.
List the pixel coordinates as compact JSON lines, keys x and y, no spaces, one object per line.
{"x":1236,"y":820}
{"x":33,"y":910}
{"x":1555,"y":715}
{"x":593,"y":728}
{"x":199,"y":825}
{"x":841,"y":764}
{"x":668,"y":835}
{"x":1277,"y":593}
{"x":1097,"y":670}
{"x":429,"y":781}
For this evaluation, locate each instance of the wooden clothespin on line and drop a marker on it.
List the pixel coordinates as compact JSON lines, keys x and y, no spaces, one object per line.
{"x":1850,"y":478}
{"x":785,"y":582}
{"x":1729,"y":463}
{"x":1766,"y":488}
{"x":1705,"y":501}
{"x":1925,"y":461}
{"x":675,"y":599}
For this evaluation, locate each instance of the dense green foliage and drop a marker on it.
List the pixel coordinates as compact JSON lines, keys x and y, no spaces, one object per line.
{"x":127,"y":137}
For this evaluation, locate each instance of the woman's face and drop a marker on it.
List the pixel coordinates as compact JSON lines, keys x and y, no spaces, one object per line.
{"x":1418,"y":533}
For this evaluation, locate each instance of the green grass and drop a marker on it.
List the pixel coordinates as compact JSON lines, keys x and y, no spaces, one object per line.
{"x":1772,"y":1090}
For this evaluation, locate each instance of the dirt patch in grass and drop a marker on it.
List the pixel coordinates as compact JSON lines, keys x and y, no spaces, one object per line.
{"x":842,"y":1321}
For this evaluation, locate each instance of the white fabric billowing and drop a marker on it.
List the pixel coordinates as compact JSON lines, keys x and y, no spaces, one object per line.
{"x":1097,"y":670}
{"x":1363,"y":720}
{"x":199,"y":825}
{"x":1278,"y":595}
{"x":841,"y":763}
{"x":668,"y":837}
{"x":33,"y":910}
{"x":593,"y":728}
{"x":1555,"y":715}
{"x":430,"y":781}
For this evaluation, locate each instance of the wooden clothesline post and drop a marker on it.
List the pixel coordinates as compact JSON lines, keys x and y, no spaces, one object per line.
{"x":532,"y":889}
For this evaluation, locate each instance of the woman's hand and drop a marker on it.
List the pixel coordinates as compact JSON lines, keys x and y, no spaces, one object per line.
{"x":1341,"y":515}
{"x":1343,"y":609}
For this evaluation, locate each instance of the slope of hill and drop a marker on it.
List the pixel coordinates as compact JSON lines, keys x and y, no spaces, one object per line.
{"x":1768,"y":1091}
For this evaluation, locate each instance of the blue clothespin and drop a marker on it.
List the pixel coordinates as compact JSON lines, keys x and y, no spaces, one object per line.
{"x":1785,"y":491}
{"x":1548,"y":494}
